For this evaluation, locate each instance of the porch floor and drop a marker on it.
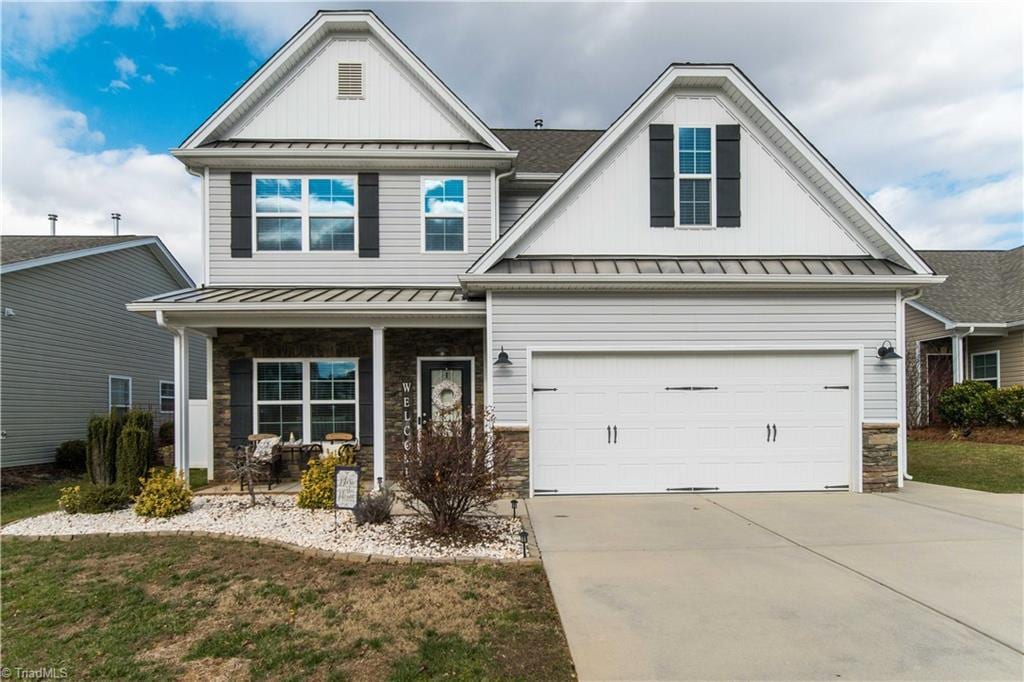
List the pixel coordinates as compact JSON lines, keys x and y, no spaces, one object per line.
{"x":283,"y":488}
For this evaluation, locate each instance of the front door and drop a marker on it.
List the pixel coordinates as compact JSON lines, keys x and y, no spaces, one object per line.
{"x":939,"y":377}
{"x":446,"y":389}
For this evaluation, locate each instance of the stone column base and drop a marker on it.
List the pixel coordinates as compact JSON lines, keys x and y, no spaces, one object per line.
{"x":880,"y":457}
{"x":518,"y":439}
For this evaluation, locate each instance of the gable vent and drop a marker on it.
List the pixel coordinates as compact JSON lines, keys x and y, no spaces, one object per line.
{"x":350,"y":79}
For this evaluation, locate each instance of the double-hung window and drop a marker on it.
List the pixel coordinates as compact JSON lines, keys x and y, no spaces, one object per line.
{"x":302,"y":213}
{"x":119,"y":394}
{"x":444,"y":214}
{"x":696,"y":168}
{"x":306,"y":398}
{"x":985,"y":367}
{"x":167,"y":396}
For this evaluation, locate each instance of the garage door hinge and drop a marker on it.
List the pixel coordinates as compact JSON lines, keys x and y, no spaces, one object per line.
{"x":837,"y":388}
{"x":535,"y":389}
{"x":545,"y":490}
{"x":691,"y":388}
{"x":687,"y":490}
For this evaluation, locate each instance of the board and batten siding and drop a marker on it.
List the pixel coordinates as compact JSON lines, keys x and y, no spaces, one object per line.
{"x":401,"y":261}
{"x":512,"y":205}
{"x":687,"y":322}
{"x":395,"y":104}
{"x":70,"y":331}
{"x":608,"y":212}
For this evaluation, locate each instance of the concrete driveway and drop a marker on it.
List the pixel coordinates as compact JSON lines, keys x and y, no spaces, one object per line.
{"x":922,"y":584}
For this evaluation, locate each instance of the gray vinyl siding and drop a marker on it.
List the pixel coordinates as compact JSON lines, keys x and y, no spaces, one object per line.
{"x":401,"y":261}
{"x":512,"y":205}
{"x":624,"y":321}
{"x":70,"y":332}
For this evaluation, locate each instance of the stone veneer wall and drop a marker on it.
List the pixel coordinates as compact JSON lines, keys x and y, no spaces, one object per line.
{"x":518,"y":440}
{"x":880,"y":457}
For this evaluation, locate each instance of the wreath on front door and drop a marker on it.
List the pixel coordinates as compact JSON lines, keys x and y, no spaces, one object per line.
{"x":446,"y":395}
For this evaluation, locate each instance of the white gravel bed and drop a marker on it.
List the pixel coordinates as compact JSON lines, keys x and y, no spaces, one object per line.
{"x":276,"y":517}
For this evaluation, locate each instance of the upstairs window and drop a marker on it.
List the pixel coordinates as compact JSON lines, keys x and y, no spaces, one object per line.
{"x":444,"y":214}
{"x":985,"y":367}
{"x":305,"y":213}
{"x":695,"y":175}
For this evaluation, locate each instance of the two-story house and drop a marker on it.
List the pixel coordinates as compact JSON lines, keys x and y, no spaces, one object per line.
{"x":692,"y":299}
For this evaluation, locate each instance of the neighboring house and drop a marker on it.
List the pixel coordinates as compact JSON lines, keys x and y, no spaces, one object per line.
{"x":694,"y":302}
{"x":68,"y":347}
{"x":971,"y":327}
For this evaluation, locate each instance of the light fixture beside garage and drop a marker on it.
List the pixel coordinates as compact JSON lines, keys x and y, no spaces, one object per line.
{"x":887,"y":352}
{"x":503,"y":360}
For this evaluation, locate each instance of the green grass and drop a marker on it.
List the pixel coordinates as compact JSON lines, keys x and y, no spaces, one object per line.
{"x":136,"y":608}
{"x":39,"y":499}
{"x":963,"y":464}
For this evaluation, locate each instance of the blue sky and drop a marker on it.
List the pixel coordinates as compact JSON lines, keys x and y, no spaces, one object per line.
{"x":925,"y":122}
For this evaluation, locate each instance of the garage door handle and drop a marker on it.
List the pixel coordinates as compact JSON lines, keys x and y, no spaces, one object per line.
{"x":775,"y":433}
{"x":615,"y":429}
{"x":769,"y":427}
{"x":609,"y":433}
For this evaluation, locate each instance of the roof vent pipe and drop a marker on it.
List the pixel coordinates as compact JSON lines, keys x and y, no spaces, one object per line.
{"x":116,"y":217}
{"x":52,"y":217}
{"x":538,"y":123}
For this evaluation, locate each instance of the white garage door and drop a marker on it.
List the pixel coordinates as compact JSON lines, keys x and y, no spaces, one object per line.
{"x":622,"y":423}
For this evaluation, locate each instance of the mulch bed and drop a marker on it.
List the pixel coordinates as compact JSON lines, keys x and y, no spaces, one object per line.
{"x":1002,"y":435}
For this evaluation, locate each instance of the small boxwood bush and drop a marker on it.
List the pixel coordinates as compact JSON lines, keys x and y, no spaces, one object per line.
{"x":317,"y":484}
{"x":94,"y":499}
{"x":1007,"y":405}
{"x":70,"y":456}
{"x":70,"y":499}
{"x":976,"y":403}
{"x":163,"y":494}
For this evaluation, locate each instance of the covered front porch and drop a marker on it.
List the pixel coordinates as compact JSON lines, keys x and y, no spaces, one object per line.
{"x":301,"y":363}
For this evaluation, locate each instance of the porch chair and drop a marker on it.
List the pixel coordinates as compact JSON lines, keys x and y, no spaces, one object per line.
{"x":272,"y":463}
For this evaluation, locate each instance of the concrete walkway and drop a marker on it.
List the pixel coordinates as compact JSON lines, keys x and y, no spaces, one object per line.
{"x":923,"y":584}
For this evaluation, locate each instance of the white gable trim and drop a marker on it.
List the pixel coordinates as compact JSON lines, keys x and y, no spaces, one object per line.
{"x":726,"y":74}
{"x":322,"y":23}
{"x":156,"y":246}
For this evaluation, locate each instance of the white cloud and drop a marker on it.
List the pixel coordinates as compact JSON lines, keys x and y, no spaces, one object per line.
{"x":126,"y":67}
{"x":146,"y":78}
{"x":168,"y":69}
{"x":116,"y":85}
{"x":33,"y":30}
{"x":44,"y":171}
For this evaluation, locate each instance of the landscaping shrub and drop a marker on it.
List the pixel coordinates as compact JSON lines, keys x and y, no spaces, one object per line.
{"x":133,"y":450}
{"x":103,"y":498}
{"x":165,"y":435}
{"x":966,"y":404}
{"x":375,"y":507}
{"x":1007,"y":406}
{"x":101,"y":448}
{"x":455,"y":468}
{"x":70,"y":499}
{"x":317,"y":483}
{"x":71,"y":456}
{"x":163,"y":494}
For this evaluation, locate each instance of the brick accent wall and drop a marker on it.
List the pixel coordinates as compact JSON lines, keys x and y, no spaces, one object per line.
{"x":518,"y":439}
{"x":880,"y":460}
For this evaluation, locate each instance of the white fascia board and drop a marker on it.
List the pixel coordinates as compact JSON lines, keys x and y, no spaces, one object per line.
{"x":210,"y":155}
{"x":952,"y":325}
{"x":684,"y":282}
{"x":660,"y":86}
{"x":154,"y":243}
{"x":921,"y":308}
{"x":325,"y":21}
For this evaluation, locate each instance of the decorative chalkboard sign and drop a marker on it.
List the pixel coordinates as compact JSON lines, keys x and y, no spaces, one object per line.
{"x":346,"y":487}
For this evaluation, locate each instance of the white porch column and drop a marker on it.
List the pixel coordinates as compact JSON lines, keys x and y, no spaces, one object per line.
{"x":958,"y":359}
{"x":181,"y":377}
{"x":378,"y":404}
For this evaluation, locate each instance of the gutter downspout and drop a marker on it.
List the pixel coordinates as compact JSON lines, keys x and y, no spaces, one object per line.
{"x":902,"y":335}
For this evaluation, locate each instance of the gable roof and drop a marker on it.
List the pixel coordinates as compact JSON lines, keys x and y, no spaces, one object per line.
{"x":985,"y":287}
{"x":788,"y":141}
{"x":22,"y":252}
{"x":547,"y":150}
{"x":301,"y":44}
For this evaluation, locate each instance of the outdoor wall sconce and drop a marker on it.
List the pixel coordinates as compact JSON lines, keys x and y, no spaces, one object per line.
{"x":887,"y":352}
{"x":515,"y":503}
{"x":503,"y":360}
{"x":523,"y":537}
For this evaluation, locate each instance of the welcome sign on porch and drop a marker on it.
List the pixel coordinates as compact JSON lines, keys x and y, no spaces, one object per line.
{"x":346,"y":487}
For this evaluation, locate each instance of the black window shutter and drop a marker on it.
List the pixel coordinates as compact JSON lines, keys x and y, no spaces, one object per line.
{"x":369,"y":215}
{"x":727,"y":175}
{"x":663,"y":176}
{"x":241,"y":215}
{"x":366,"y":401}
{"x":240,"y":380}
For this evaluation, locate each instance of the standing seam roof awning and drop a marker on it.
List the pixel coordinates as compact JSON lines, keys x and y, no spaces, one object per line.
{"x":298,"y":296}
{"x":799,"y":266}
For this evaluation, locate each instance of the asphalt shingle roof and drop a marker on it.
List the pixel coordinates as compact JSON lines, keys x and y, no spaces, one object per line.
{"x":547,"y":150}
{"x":982,"y":286}
{"x":17,"y":248}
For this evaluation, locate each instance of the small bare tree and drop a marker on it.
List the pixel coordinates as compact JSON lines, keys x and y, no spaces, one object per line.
{"x":455,"y":467}
{"x":917,"y":401}
{"x":246,"y":470}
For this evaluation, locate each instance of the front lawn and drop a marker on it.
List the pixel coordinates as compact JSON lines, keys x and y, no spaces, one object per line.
{"x":145,"y":607}
{"x":965,"y":464}
{"x":40,"y":498}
